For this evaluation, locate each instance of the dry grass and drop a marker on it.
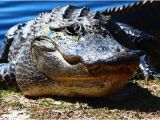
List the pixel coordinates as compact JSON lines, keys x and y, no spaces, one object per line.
{"x":142,"y":104}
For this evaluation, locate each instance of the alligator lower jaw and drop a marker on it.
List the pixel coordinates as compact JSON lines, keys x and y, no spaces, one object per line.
{"x":90,"y":86}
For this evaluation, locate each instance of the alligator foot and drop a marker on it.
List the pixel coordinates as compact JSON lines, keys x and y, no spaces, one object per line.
{"x":7,"y":75}
{"x":148,"y":70}
{"x":153,"y":75}
{"x":156,"y":75}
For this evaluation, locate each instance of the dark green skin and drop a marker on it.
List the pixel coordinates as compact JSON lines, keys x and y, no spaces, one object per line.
{"x":70,"y":42}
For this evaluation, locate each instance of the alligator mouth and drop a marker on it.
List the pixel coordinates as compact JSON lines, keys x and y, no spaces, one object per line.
{"x":102,"y":80}
{"x":118,"y":67}
{"x":104,"y":72}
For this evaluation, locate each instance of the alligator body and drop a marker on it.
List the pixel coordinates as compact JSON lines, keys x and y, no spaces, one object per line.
{"x":142,"y":15}
{"x":145,"y":16}
{"x":72,"y":52}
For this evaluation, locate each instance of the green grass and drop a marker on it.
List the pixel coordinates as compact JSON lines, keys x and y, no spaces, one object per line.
{"x":6,"y":92}
{"x":142,"y":104}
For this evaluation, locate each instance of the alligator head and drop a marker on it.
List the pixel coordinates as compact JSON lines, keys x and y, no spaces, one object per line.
{"x":76,"y":46}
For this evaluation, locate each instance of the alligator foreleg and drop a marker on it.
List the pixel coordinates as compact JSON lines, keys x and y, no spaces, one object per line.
{"x":7,"y":75}
{"x":149,"y":71}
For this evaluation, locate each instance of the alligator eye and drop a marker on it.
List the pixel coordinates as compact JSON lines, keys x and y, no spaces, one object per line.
{"x":74,"y":29}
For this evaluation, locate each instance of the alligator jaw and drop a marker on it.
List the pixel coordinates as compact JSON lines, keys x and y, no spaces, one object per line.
{"x":90,"y":86}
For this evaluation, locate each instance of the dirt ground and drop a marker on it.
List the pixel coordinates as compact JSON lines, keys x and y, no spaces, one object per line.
{"x":142,"y":102}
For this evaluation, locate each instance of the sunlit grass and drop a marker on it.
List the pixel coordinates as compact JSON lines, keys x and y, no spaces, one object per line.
{"x":143,"y":104}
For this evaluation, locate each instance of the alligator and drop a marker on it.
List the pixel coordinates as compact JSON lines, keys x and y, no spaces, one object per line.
{"x":72,"y":51}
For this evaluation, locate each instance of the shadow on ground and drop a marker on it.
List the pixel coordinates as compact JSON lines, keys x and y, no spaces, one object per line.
{"x":139,"y":99}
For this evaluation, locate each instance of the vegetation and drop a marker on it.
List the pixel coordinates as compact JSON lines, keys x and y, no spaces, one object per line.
{"x":142,"y":103}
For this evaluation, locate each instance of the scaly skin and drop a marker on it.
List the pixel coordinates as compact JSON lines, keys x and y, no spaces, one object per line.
{"x":67,"y":52}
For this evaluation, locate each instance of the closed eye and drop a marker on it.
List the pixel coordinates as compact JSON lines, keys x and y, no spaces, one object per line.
{"x":74,"y":29}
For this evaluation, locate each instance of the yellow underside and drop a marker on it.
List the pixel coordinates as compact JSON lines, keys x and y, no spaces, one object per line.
{"x":76,"y":87}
